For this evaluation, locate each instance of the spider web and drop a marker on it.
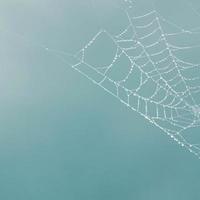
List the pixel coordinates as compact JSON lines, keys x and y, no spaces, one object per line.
{"x":145,"y":71}
{"x":146,"y":74}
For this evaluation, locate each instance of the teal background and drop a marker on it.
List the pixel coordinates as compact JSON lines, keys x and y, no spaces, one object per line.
{"x":61,"y":136}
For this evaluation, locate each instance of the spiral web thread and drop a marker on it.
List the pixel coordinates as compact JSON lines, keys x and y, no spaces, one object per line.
{"x":151,"y":64}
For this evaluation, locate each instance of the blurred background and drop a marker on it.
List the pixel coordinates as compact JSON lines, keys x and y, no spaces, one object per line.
{"x":61,"y":136}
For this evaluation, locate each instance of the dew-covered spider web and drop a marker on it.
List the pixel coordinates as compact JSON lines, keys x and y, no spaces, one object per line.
{"x":148,"y":68}
{"x":147,"y":74}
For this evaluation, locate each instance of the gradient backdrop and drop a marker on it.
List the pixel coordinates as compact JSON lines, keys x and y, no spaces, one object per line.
{"x":61,"y":136}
